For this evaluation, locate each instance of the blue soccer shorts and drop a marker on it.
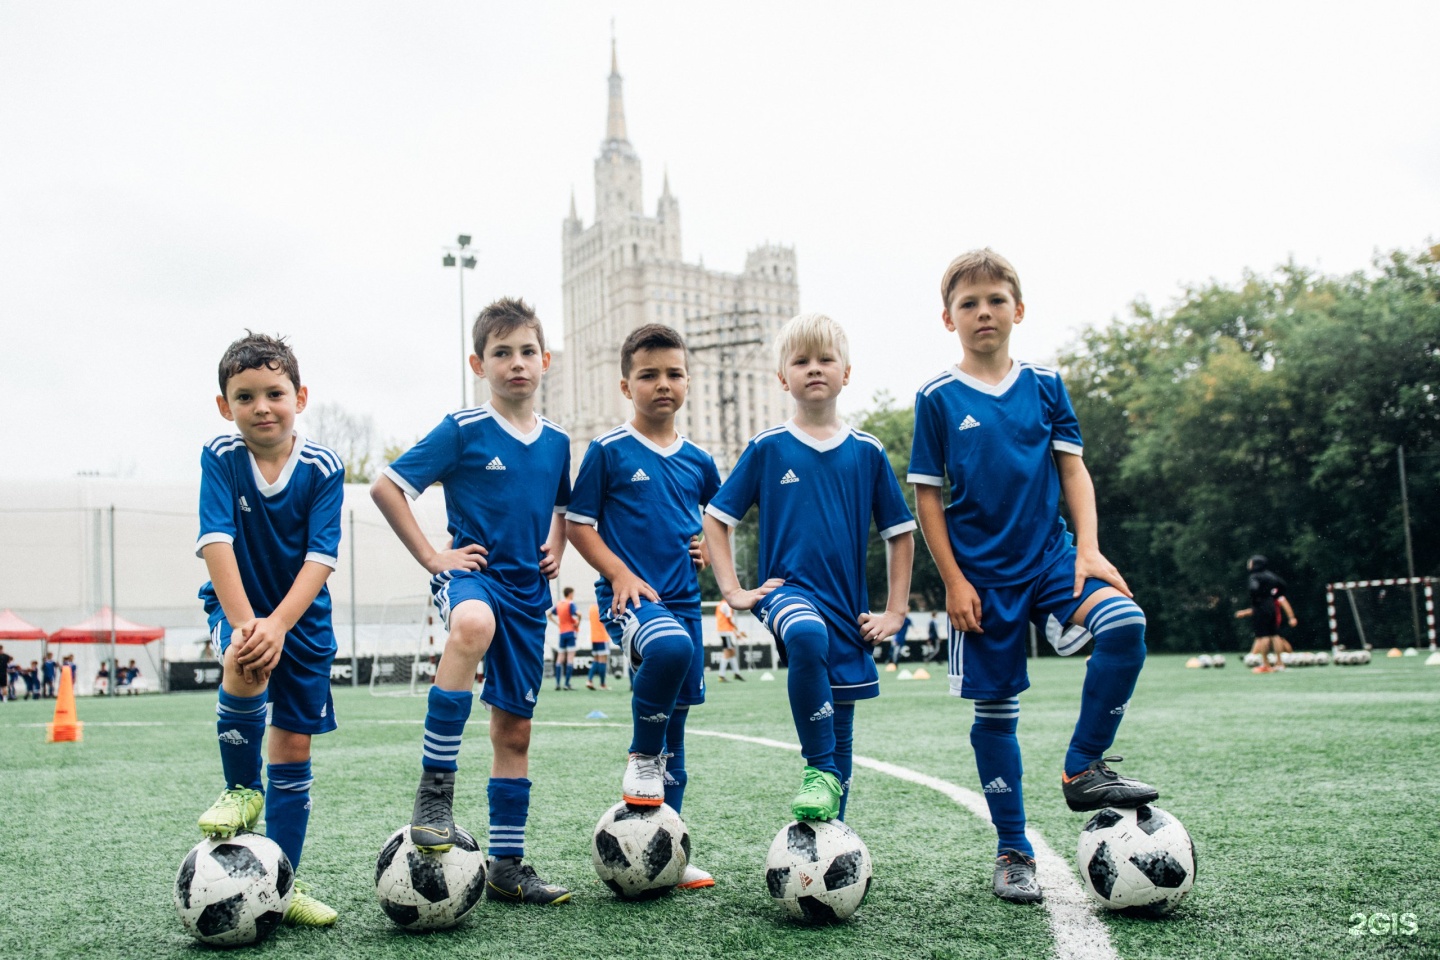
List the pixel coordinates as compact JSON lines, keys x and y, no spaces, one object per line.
{"x":850,"y":660}
{"x":991,"y":665}
{"x":567,"y":641}
{"x":515,"y":662}
{"x":692,"y":691}
{"x":298,"y":693}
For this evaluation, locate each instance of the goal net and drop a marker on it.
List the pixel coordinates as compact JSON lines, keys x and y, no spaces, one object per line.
{"x":404,"y":646}
{"x":1379,"y":613}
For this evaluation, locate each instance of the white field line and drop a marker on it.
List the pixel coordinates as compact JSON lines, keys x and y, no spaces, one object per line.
{"x":1078,"y":932}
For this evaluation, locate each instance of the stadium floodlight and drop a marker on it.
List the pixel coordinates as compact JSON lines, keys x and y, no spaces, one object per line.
{"x":461,"y":263}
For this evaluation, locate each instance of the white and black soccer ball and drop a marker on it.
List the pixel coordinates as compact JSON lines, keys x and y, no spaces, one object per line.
{"x":429,"y":891}
{"x":1141,"y":858}
{"x":232,"y":893}
{"x":1218,"y":661}
{"x":640,"y":853}
{"x":818,"y":870}
{"x":1253,"y":660}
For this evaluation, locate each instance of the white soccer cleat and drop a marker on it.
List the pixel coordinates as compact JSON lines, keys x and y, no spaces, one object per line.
{"x":644,"y":783}
{"x":694,"y":879}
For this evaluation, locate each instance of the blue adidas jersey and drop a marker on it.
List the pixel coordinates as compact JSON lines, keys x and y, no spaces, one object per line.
{"x":996,"y":445}
{"x":645,"y":500}
{"x":817,"y":498}
{"x":502,"y":488}
{"x":274,"y":527}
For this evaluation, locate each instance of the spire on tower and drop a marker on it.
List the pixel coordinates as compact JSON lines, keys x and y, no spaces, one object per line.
{"x":615,"y":122}
{"x":573,"y":214}
{"x":665,"y":190}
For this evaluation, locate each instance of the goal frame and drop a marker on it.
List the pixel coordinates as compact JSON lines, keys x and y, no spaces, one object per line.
{"x":1350,"y":586}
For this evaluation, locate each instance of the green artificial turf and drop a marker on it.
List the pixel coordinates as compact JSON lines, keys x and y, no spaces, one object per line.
{"x":1311,"y":796}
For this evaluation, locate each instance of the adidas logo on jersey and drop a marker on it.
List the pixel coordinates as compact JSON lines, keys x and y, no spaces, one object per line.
{"x":998,"y":785}
{"x":789,"y":477}
{"x":530,"y":693}
{"x":244,"y":506}
{"x":638,"y":476}
{"x":825,"y":711}
{"x":969,"y":423}
{"x":495,"y":465}
{"x":233,"y":737}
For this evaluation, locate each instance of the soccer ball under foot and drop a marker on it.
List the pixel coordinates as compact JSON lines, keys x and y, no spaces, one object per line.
{"x":233,"y":892}
{"x":429,"y":891}
{"x":818,"y":871}
{"x":1141,"y":859}
{"x":640,"y":852}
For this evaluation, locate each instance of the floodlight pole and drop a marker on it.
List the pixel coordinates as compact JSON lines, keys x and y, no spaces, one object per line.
{"x":110,"y":684}
{"x":461,"y":263}
{"x":354,"y":659}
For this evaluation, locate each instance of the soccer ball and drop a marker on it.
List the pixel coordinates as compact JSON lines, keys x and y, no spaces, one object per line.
{"x":231,"y":893}
{"x":1136,"y":858}
{"x":428,"y":891}
{"x":1205,"y":661}
{"x":818,"y":870}
{"x":640,"y":853}
{"x":1218,"y":661}
{"x":1253,"y":660}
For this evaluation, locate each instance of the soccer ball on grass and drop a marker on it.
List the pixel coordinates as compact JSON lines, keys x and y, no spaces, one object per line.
{"x":818,"y":871}
{"x":1141,"y":858}
{"x":429,"y":891}
{"x":640,"y":853}
{"x":231,"y":893}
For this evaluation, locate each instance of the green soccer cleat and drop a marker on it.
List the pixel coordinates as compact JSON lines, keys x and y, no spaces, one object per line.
{"x":819,"y":796}
{"x":237,"y":808}
{"x":306,"y":911}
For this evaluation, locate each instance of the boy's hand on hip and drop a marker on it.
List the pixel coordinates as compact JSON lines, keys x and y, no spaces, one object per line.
{"x":875,"y":627}
{"x":549,"y":566}
{"x":627,"y":589}
{"x":472,"y":557}
{"x":962,"y":603}
{"x":1092,"y":563}
{"x":698,"y":554}
{"x":746,"y":599}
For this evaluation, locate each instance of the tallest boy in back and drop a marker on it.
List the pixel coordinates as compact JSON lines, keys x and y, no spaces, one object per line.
{"x":506,"y":474}
{"x":1006,"y":436}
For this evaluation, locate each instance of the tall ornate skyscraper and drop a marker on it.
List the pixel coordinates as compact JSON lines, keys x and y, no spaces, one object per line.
{"x":625,"y":270}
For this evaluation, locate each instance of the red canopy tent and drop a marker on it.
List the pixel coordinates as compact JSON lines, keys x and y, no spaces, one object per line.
{"x":12,"y":627}
{"x":96,"y":629}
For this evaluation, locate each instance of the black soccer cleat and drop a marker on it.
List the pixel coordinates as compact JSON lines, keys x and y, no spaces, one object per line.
{"x":432,"y":825}
{"x":1015,"y":878}
{"x":1097,"y":787}
{"x":512,"y":881}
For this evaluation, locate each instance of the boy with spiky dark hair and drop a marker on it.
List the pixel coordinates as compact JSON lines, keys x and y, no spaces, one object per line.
{"x":506,"y":473}
{"x":1006,"y":436}
{"x":635,"y":518}
{"x":270,"y":504}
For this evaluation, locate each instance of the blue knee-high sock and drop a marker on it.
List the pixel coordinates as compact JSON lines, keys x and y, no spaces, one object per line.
{"x":600,"y":670}
{"x":845,"y":749}
{"x":1118,"y":625}
{"x":807,"y":641}
{"x":444,"y":724}
{"x":240,"y":730}
{"x":569,"y":671}
{"x":997,"y":758}
{"x":509,"y":809}
{"x":675,"y":775}
{"x":665,"y":648}
{"x":287,"y":807}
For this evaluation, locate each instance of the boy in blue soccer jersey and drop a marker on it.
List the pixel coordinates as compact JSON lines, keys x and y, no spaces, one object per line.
{"x":269,"y":534}
{"x":1006,"y":437}
{"x":506,"y":474}
{"x":635,"y":518}
{"x":818,"y":484}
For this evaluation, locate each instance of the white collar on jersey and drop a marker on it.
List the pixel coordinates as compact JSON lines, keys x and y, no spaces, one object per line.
{"x":271,"y":489}
{"x":996,"y":389}
{"x":820,"y":446}
{"x":510,"y":428}
{"x":651,"y":445}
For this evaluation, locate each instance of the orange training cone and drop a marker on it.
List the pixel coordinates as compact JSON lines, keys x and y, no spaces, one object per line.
{"x":65,"y":726}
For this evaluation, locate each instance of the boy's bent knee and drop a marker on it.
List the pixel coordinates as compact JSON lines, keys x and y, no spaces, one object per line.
{"x":1118,"y":625}
{"x":472,"y":626}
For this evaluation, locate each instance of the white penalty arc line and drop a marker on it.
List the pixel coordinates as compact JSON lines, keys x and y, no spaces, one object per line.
{"x":1077,"y":931}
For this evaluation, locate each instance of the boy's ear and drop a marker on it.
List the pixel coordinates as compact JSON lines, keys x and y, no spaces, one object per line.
{"x":224,"y":406}
{"x":783,"y":384}
{"x":845,"y":380}
{"x":545,"y":362}
{"x":476,"y":366}
{"x":625,"y":388}
{"x":945,"y":319}
{"x":1019,"y":310}
{"x":302,"y":397}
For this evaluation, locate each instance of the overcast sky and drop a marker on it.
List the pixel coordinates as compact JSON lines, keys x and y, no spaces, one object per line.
{"x":173,"y":173}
